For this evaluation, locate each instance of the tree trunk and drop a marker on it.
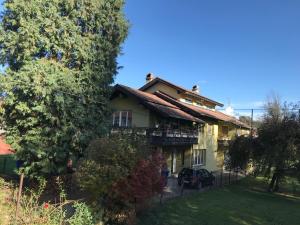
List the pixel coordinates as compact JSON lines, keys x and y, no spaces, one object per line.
{"x":274,"y":184}
{"x":276,"y":188}
{"x":271,"y":185}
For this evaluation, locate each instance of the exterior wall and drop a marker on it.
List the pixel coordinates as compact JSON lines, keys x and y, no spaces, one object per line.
{"x":210,"y":143}
{"x":233,"y":131}
{"x":183,"y":157}
{"x":180,"y":96}
{"x":166,"y":89}
{"x":140,"y":115}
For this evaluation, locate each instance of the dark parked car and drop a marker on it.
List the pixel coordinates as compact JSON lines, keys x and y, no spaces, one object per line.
{"x":195,"y":177}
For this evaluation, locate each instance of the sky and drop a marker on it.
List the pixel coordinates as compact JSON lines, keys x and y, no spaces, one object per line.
{"x":237,"y":51}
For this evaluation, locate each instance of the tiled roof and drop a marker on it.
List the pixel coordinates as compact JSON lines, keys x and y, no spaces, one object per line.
{"x":5,"y":149}
{"x":157,"y":80}
{"x":157,"y":104}
{"x":214,"y":114}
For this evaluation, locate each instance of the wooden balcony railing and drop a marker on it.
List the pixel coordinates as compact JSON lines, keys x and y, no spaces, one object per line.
{"x":161,"y":136}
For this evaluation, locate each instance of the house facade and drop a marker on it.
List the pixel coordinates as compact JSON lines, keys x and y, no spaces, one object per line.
{"x":184,"y":125}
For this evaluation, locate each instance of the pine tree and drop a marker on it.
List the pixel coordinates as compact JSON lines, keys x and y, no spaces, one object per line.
{"x":60,"y":58}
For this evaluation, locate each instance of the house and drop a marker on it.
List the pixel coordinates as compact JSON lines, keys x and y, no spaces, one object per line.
{"x":184,"y":125}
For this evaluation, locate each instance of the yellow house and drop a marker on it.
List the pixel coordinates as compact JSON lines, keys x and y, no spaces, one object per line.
{"x":181,"y":123}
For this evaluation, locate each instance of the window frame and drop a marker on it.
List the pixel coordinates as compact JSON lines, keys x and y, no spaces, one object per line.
{"x":199,"y":157}
{"x":210,"y":129}
{"x":119,"y":114}
{"x":222,"y":129}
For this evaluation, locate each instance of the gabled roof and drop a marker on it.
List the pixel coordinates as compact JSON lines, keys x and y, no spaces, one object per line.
{"x":202,"y":112}
{"x":184,"y":90}
{"x":5,"y":149}
{"x":156,"y":104}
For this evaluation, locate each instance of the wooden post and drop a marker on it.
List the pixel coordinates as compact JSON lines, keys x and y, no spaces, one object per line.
{"x":182,"y":188}
{"x":161,"y":197}
{"x":221,"y":178}
{"x":19,"y":194}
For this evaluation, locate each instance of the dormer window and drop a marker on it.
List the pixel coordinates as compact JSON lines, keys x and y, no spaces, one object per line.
{"x":122,"y":118}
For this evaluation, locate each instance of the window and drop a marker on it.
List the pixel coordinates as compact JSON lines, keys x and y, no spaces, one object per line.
{"x":122,"y":119}
{"x":201,"y":129}
{"x":199,"y":156}
{"x":225,"y":131}
{"x":210,"y":129}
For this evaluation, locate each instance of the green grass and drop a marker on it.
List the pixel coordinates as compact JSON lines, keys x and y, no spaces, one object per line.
{"x":5,"y":207}
{"x":245,"y":203}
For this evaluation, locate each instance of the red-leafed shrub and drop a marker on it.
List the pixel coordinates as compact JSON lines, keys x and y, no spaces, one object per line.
{"x":120,"y":173}
{"x":144,"y":181}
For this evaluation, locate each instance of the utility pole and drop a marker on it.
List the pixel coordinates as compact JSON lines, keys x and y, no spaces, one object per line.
{"x":251,"y":126}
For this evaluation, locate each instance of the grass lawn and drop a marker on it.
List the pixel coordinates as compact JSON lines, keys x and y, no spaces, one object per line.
{"x":5,"y":207}
{"x":245,"y":203}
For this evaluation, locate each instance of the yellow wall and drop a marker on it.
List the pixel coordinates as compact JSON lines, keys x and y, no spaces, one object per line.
{"x":180,"y":150}
{"x":173,"y":92}
{"x":233,"y":131}
{"x":140,"y":115}
{"x":164,"y":88}
{"x":210,"y":143}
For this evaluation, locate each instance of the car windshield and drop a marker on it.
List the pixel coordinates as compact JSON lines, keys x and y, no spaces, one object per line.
{"x":187,"y":171}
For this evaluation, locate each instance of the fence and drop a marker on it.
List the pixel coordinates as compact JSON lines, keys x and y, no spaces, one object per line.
{"x":222,"y":177}
{"x":225,"y":177}
{"x":7,"y":164}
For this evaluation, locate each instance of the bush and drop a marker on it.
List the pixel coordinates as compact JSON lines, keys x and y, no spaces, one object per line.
{"x":121,"y":172}
{"x":34,"y":212}
{"x":82,"y":215}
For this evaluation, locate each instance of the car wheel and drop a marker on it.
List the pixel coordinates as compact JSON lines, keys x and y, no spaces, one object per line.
{"x":179,"y":181}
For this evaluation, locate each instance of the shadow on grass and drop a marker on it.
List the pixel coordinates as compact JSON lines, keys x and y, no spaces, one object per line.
{"x":239,"y":204}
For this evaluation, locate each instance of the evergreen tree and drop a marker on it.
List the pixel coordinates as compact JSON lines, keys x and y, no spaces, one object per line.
{"x":60,"y":58}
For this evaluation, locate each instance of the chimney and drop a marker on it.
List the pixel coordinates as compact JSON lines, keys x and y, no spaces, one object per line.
{"x":149,"y":77}
{"x":196,"y":89}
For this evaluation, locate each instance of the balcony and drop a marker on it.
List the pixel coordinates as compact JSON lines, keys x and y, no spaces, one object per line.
{"x":160,"y":136}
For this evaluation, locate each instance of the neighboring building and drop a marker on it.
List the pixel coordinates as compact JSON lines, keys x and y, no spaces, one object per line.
{"x":181,"y":123}
{"x":5,"y":149}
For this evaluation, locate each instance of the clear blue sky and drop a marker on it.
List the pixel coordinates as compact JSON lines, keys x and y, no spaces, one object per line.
{"x":236,"y":50}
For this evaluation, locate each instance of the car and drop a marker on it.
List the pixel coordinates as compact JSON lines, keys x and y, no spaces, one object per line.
{"x":197,"y":178}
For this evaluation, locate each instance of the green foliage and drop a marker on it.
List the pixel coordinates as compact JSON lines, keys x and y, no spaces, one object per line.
{"x":240,"y":152}
{"x":82,"y":216}
{"x":61,"y":59}
{"x":119,"y":172}
{"x":109,"y":159}
{"x":276,"y":151}
{"x":34,"y":212}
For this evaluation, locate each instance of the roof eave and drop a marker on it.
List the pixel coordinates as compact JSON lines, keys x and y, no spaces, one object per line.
{"x":157,"y":79}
